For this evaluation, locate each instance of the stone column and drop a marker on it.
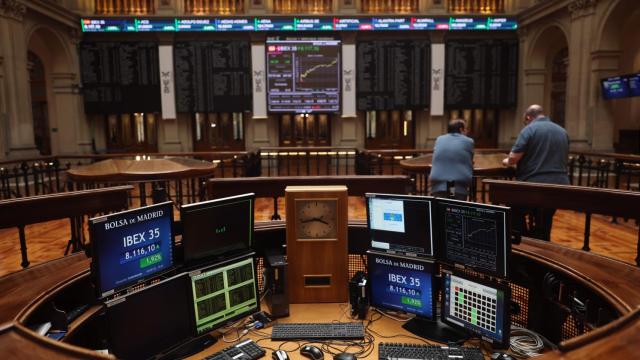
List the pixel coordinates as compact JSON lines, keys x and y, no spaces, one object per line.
{"x":4,"y":117}
{"x":17,"y":105}
{"x":579,"y":117}
{"x":603,"y":64}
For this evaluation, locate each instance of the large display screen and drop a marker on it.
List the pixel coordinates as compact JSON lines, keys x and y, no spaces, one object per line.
{"x":400,"y":223}
{"x":401,"y":283}
{"x":634,"y":85}
{"x":478,"y":307}
{"x":223,"y":293}
{"x":476,"y":236}
{"x":214,"y":228}
{"x":303,"y":75}
{"x":130,"y":246}
{"x":615,"y":87}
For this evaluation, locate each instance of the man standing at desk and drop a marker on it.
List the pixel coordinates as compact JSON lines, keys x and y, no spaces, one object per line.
{"x":540,"y":153}
{"x":452,"y":161}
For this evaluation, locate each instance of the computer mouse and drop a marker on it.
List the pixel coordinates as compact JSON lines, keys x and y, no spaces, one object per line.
{"x":312,"y":352}
{"x":280,"y":355}
{"x":344,"y":356}
{"x":502,"y":356}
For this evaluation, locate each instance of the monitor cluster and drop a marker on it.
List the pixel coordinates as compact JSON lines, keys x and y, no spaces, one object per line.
{"x":422,"y":246}
{"x":208,"y":284}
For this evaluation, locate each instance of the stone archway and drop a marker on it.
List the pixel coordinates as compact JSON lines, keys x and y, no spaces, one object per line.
{"x":49,"y":48}
{"x":547,"y":51}
{"x":617,"y":52}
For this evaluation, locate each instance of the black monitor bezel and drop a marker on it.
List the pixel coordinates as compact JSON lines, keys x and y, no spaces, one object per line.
{"x":308,"y":35}
{"x":499,"y":286}
{"x":213,"y":256}
{"x":434,"y":292}
{"x":183,"y":277}
{"x":213,"y":266}
{"x":506,"y":245}
{"x":95,"y":262}
{"x":432,"y":205}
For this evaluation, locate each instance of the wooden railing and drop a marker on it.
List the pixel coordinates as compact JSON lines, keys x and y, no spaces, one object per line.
{"x":610,"y":202}
{"x":46,"y":175}
{"x":273,"y":187}
{"x":73,"y":205}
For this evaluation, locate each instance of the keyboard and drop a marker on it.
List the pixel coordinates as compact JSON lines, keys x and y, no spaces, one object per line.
{"x":318,"y":331}
{"x":246,"y":350}
{"x":390,"y":351}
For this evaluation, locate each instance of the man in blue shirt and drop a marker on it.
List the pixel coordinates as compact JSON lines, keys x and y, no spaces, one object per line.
{"x":452,"y":162}
{"x":540,"y":153}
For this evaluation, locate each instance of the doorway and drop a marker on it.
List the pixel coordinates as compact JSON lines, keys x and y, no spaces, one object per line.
{"x":39,"y":107}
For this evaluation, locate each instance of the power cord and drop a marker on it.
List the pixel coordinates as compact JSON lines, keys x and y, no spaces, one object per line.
{"x":525,"y":343}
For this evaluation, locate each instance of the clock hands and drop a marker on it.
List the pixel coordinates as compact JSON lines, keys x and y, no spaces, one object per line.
{"x":314,"y":219}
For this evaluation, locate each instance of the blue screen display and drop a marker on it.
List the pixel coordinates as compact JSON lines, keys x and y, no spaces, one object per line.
{"x":132,"y":245}
{"x":401,"y":283}
{"x":634,"y":85}
{"x":615,"y":87}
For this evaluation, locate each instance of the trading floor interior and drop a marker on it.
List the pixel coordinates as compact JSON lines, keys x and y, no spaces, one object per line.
{"x":245,"y":179}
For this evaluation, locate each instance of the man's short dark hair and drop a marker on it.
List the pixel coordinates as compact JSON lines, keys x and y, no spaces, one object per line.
{"x":455,"y":126}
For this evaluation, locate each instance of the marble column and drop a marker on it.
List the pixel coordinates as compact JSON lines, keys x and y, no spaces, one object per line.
{"x":604,"y":63}
{"x":580,"y":114}
{"x":17,"y":97}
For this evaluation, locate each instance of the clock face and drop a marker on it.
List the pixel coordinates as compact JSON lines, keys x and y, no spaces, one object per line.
{"x":316,"y":219}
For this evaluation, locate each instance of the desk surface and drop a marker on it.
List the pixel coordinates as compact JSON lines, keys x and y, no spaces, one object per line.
{"x":384,"y":330}
{"x":483,"y":164}
{"x":142,"y":170}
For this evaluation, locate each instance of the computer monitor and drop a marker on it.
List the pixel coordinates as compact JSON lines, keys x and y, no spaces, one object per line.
{"x":480,"y":307}
{"x":400,"y":223}
{"x":403,"y":283}
{"x":476,"y":236}
{"x":615,"y":87}
{"x":151,"y":320}
{"x":224,"y":292}
{"x":130,"y":246}
{"x":215,"y":228}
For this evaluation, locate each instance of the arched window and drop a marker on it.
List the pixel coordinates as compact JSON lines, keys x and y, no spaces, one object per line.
{"x":559,"y":66}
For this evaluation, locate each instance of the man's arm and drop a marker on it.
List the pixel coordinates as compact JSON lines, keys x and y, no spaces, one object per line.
{"x":512,"y":159}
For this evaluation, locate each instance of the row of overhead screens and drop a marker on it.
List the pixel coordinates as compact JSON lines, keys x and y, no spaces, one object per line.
{"x":302,"y":75}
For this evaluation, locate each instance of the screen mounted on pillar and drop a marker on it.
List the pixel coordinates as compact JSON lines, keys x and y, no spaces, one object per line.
{"x":131,"y":246}
{"x":303,"y":75}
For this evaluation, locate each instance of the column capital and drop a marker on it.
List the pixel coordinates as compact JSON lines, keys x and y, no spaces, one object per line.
{"x":13,"y":9}
{"x":579,"y":8}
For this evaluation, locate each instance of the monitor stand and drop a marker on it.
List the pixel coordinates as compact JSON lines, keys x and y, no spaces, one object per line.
{"x":433,"y":330}
{"x":189,"y":348}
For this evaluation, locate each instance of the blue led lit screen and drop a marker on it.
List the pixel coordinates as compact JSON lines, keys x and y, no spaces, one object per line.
{"x":401,"y":284}
{"x":131,"y":246}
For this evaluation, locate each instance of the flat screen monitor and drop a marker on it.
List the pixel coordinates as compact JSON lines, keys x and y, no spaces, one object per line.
{"x":131,"y":246}
{"x":634,"y":85}
{"x":212,"y":229}
{"x":303,"y":75}
{"x":407,"y":284}
{"x":224,"y":292}
{"x":615,"y":87}
{"x":478,"y":306}
{"x":476,"y":236}
{"x":400,"y":223}
{"x":151,"y":320}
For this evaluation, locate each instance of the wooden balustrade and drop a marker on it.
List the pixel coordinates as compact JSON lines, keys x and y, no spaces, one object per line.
{"x":589,"y":200}
{"x":72,"y":205}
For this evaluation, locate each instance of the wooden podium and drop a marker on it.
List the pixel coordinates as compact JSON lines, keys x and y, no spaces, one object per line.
{"x":317,"y":248}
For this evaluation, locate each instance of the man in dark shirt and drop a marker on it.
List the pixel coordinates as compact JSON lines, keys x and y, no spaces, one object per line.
{"x":540,"y":153}
{"x":452,"y":162}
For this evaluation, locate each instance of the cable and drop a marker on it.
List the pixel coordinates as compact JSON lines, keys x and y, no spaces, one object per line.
{"x":525,"y":343}
{"x":384,"y":313}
